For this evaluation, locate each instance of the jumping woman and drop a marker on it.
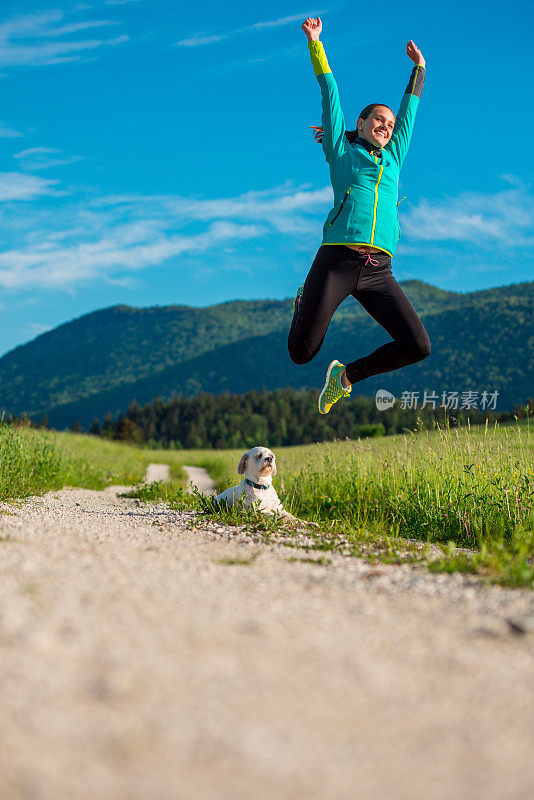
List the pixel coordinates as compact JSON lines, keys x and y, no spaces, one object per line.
{"x":361,"y":231}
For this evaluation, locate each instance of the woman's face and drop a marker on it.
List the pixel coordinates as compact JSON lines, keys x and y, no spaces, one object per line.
{"x":378,"y":126}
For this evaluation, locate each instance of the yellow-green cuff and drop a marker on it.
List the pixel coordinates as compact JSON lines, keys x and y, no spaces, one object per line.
{"x":318,"y":57}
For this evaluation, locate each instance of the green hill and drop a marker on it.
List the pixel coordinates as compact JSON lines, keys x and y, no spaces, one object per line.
{"x":481,"y":341}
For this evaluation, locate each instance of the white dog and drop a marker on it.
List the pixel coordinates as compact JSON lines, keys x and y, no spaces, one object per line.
{"x":259,"y":466}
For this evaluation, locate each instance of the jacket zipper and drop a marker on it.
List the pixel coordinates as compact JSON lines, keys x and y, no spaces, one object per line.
{"x":376,"y":202}
{"x":341,"y":206}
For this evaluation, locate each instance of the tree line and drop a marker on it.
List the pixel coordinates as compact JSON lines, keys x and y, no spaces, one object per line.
{"x":273,"y":418}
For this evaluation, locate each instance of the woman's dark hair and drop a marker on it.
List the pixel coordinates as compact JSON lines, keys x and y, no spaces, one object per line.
{"x":351,"y":135}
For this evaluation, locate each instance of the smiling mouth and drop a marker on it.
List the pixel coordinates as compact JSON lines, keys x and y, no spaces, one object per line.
{"x":381,"y":133}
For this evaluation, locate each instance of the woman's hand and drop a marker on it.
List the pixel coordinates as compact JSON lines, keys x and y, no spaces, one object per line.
{"x":415,"y":54}
{"x":312,"y":28}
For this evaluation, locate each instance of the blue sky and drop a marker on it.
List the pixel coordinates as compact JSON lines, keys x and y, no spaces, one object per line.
{"x":156,"y":154}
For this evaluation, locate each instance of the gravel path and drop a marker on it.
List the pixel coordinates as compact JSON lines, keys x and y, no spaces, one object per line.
{"x":199,"y":477}
{"x":142,"y":657}
{"x":157,"y":472}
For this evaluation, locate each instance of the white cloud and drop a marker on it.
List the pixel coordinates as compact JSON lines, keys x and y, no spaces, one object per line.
{"x":276,"y":23}
{"x":204,"y":37}
{"x":200,"y":39}
{"x":515,"y":180}
{"x":16,"y":186}
{"x":39,"y":39}
{"x":484,"y":219}
{"x":127,"y":248}
{"x":270,"y":205}
{"x":107,"y":238}
{"x":36,"y":158}
{"x":37,"y":328}
{"x":9,"y":133}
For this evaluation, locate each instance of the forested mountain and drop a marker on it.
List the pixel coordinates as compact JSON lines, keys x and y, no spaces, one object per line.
{"x":99,"y":363}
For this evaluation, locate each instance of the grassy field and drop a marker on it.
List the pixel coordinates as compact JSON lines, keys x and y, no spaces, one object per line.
{"x":35,"y":461}
{"x":469,"y":490}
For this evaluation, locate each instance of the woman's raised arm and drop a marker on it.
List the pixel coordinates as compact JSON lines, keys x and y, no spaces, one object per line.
{"x":333,"y":140}
{"x":402,"y":132}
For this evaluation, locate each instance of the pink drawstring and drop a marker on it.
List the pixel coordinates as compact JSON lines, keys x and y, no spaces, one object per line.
{"x":369,"y":259}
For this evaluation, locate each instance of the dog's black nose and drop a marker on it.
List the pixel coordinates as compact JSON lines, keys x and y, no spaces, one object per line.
{"x":268,"y":458}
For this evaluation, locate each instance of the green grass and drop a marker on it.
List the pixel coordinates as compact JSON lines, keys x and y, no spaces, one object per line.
{"x":28,"y":464}
{"x":35,"y":461}
{"x":467,"y":490}
{"x":96,"y":463}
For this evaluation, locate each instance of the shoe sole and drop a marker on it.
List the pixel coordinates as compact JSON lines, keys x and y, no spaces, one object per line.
{"x":328,"y":371}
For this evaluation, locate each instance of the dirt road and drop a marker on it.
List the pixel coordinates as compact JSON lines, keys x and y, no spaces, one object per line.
{"x":142,"y":659}
{"x":198,"y":477}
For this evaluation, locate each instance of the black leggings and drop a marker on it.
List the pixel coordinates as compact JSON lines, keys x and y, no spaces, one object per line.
{"x":338,"y":271}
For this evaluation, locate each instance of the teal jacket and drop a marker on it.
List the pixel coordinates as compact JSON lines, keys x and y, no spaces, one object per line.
{"x":365,"y":180}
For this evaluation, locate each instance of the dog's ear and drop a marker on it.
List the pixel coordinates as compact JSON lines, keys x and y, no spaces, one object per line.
{"x":241,"y":467}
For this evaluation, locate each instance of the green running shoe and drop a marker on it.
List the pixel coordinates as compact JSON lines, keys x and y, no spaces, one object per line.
{"x":333,"y":388}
